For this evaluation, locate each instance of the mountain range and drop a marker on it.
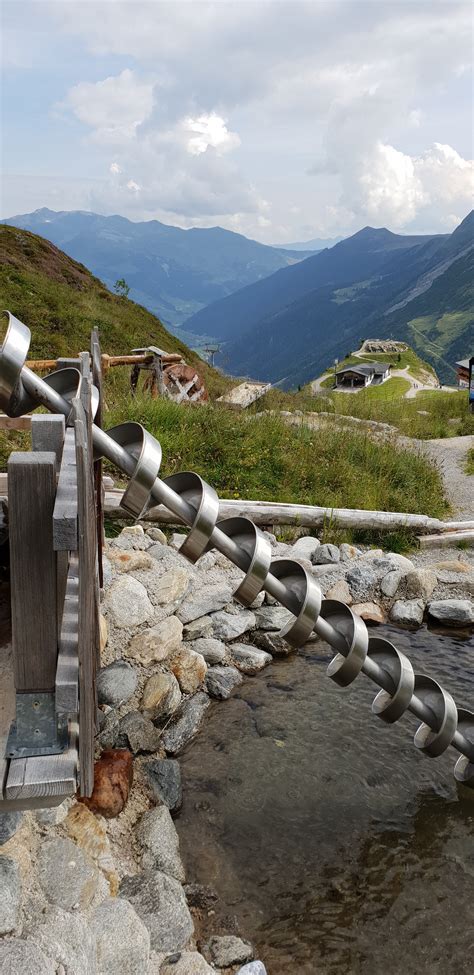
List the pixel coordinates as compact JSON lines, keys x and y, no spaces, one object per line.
{"x":289,"y":327}
{"x":172,"y":272}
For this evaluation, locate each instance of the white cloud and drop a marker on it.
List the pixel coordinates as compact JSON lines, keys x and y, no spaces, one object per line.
{"x":114,"y":168}
{"x":113,"y":108}
{"x":210,"y":132}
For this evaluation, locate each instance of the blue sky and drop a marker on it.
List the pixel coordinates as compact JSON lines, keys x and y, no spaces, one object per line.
{"x":281,"y":120}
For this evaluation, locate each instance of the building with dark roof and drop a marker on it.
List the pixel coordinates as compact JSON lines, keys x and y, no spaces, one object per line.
{"x":365,"y":374}
{"x":462,"y":370}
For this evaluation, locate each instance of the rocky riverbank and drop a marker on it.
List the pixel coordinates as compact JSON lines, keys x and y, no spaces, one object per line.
{"x":99,"y":887}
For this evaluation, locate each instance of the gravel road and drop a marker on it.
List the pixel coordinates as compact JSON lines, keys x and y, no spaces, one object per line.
{"x":450,"y":454}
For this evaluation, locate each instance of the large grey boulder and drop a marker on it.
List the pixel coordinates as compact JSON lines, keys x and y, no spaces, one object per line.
{"x":161,"y":696}
{"x":213,"y":651}
{"x":363,"y":581}
{"x":122,"y":939}
{"x":186,"y":724}
{"x":209,"y":599}
{"x":326,"y":555}
{"x":220,"y":681}
{"x":67,"y":876}
{"x":197,"y":629}
{"x":164,"y":776}
{"x":67,"y":939}
{"x":229,"y":626}
{"x":409,"y":612}
{"x":157,"y":643}
{"x":417,"y":584}
{"x":272,"y":617}
{"x":159,"y":840}
{"x":249,"y":659}
{"x":19,"y":957}
{"x":304,"y":547}
{"x":227,"y":950}
{"x":160,"y":902}
{"x":131,"y":538}
{"x":10,"y":895}
{"x":127,"y":603}
{"x":116,"y":683}
{"x":452,"y":612}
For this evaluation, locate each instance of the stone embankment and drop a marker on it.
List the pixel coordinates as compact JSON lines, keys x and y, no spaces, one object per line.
{"x":99,"y":887}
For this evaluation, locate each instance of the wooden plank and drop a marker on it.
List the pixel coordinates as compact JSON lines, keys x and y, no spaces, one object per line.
{"x":45,"y":776}
{"x":32,"y":490}
{"x":15,"y":422}
{"x":7,"y":705}
{"x":67,"y":673}
{"x":88,"y":648}
{"x":47,"y":433}
{"x":447,"y":538}
{"x":65,"y":508}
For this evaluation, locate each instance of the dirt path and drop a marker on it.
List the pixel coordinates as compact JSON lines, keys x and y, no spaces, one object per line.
{"x":450,"y":454}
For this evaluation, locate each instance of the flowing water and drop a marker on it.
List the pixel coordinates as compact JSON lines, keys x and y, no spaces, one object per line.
{"x":336,"y":845}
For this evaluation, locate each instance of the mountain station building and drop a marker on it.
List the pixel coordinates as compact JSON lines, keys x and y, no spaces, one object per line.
{"x":367,"y":374}
{"x":462,"y":370}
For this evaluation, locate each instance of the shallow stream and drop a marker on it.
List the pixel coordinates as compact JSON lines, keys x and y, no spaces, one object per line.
{"x":336,"y":845}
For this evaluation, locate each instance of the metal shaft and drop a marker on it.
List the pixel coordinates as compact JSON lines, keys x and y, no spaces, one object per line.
{"x":164,"y":494}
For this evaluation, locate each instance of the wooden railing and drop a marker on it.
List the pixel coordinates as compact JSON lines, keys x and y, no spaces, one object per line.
{"x":54,"y":573}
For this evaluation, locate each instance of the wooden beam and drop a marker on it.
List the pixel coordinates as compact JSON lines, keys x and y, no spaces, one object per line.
{"x":67,"y":672}
{"x":47,"y":433}
{"x":15,"y":422}
{"x":65,"y":507}
{"x":32,"y":490}
{"x":43,"y":777}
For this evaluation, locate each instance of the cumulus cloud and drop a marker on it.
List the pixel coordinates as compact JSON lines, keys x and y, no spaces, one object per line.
{"x":113,"y":108}
{"x":210,"y":132}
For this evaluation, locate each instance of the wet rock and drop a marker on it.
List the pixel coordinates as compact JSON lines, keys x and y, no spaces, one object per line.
{"x":157,"y":643}
{"x":304,"y":547}
{"x":66,"y":939}
{"x":129,"y":561}
{"x":213,"y":651}
{"x":199,"y":895}
{"x":160,"y":902}
{"x":408,"y":612}
{"x":209,"y":599}
{"x":116,"y":683}
{"x":272,"y":617}
{"x":127,"y":603}
{"x":185,"y":725}
{"x":417,"y":584}
{"x":370,"y":612}
{"x":220,"y":681}
{"x":253,"y":968}
{"x":273,"y":643}
{"x":249,"y":659}
{"x":198,"y":629}
{"x":9,"y":823}
{"x":67,"y":876}
{"x":90,"y":834}
{"x":227,"y":626}
{"x":452,"y":612}
{"x":347,"y":553}
{"x":326,"y":555}
{"x":10,"y":899}
{"x":18,"y":957}
{"x":172,"y":586}
{"x":138,"y":733}
{"x":131,"y":538}
{"x":228,"y":950}
{"x":159,"y":839}
{"x":189,"y":669}
{"x":188,"y":963}
{"x":164,"y":776}
{"x":161,"y":696}
{"x":340,"y":590}
{"x":157,"y":535}
{"x":113,"y":775}
{"x":122,"y":939}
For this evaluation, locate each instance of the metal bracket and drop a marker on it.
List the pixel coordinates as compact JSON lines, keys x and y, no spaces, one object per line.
{"x":38,"y":729}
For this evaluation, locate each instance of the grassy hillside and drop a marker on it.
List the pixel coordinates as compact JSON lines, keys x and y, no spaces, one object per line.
{"x":61,"y":301}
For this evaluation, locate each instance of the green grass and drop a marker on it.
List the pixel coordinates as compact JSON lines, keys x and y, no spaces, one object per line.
{"x":469,"y":465}
{"x":268,"y":460}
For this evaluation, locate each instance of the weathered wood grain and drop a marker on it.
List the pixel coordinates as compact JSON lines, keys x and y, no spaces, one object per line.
{"x":88,"y":649}
{"x":32,"y":489}
{"x":65,"y":508}
{"x":98,"y":482}
{"x":44,"y":776}
{"x":47,"y":433}
{"x":15,"y":422}
{"x":67,"y":673}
